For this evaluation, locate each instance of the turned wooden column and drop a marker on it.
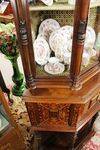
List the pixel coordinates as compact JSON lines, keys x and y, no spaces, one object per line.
{"x":23,"y":29}
{"x":80,"y":24}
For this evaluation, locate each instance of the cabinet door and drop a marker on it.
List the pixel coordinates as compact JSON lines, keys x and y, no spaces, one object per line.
{"x":45,"y":36}
{"x":11,"y":137}
{"x":52,"y":34}
{"x":91,"y":51}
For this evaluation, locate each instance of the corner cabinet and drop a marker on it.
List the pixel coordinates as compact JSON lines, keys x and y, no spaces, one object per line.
{"x":60,"y":50}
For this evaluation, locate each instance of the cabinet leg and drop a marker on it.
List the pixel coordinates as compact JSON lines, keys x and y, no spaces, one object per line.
{"x":93,"y":120}
{"x":37,"y":141}
{"x":72,"y":140}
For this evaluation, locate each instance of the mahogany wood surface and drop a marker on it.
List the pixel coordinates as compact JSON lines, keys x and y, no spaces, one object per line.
{"x":63,"y":141}
{"x":90,"y":89}
{"x":59,"y":104}
{"x":80,"y":106}
{"x":22,"y":22}
{"x":80,"y":23}
{"x":12,"y":139}
{"x":23,"y":26}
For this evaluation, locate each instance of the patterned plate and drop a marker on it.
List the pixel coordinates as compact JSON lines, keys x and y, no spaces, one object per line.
{"x":54,"y":69}
{"x":91,"y":52}
{"x":71,"y":2}
{"x":47,"y":27}
{"x":90,"y":38}
{"x":53,"y":60}
{"x":85,"y":59}
{"x":47,"y":2}
{"x":41,"y":51}
{"x":67,"y":58}
{"x":60,"y":39}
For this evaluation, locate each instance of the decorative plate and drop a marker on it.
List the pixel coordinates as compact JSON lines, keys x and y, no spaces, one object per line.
{"x":47,"y":27}
{"x":90,"y":38}
{"x":60,"y":39}
{"x":68,"y":30}
{"x":85,"y":59}
{"x":53,"y":60}
{"x":67,"y":58}
{"x":91,"y":52}
{"x":41,"y":51}
{"x":47,"y":2}
{"x":71,"y":2}
{"x":69,"y":48}
{"x":54,"y":69}
{"x":41,"y":35}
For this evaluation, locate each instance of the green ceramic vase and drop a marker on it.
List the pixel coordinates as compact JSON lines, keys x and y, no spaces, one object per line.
{"x":9,"y":47}
{"x":17,"y":77}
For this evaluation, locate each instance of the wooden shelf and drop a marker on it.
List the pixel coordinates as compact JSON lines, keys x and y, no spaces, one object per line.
{"x":56,"y":6}
{"x":6,"y":18}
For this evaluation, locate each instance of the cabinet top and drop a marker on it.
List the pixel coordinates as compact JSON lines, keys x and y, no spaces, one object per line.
{"x":57,"y":6}
{"x":65,"y":95}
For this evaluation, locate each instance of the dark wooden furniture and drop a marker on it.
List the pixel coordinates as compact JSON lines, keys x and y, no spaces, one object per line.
{"x":59,"y":105}
{"x":10,"y":135}
{"x":65,"y":111}
{"x":3,"y":85}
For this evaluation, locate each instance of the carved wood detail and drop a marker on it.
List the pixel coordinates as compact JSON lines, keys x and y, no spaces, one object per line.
{"x":75,"y":111}
{"x":22,"y":23}
{"x":23,"y":32}
{"x":51,"y":114}
{"x":44,"y":114}
{"x":81,"y":32}
{"x":80,"y":23}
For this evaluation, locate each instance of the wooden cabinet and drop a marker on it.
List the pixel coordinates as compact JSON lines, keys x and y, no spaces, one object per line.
{"x":51,"y":111}
{"x":65,"y":101}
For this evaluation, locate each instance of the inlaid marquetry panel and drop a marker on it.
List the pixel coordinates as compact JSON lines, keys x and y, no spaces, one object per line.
{"x":52,"y":115}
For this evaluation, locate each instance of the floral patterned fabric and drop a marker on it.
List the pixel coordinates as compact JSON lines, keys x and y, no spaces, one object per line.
{"x":93,"y":143}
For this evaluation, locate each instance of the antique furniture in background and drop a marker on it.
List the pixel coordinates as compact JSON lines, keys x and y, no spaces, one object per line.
{"x":61,"y":106}
{"x":3,"y":85}
{"x":10,"y":135}
{"x":6,"y":12}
